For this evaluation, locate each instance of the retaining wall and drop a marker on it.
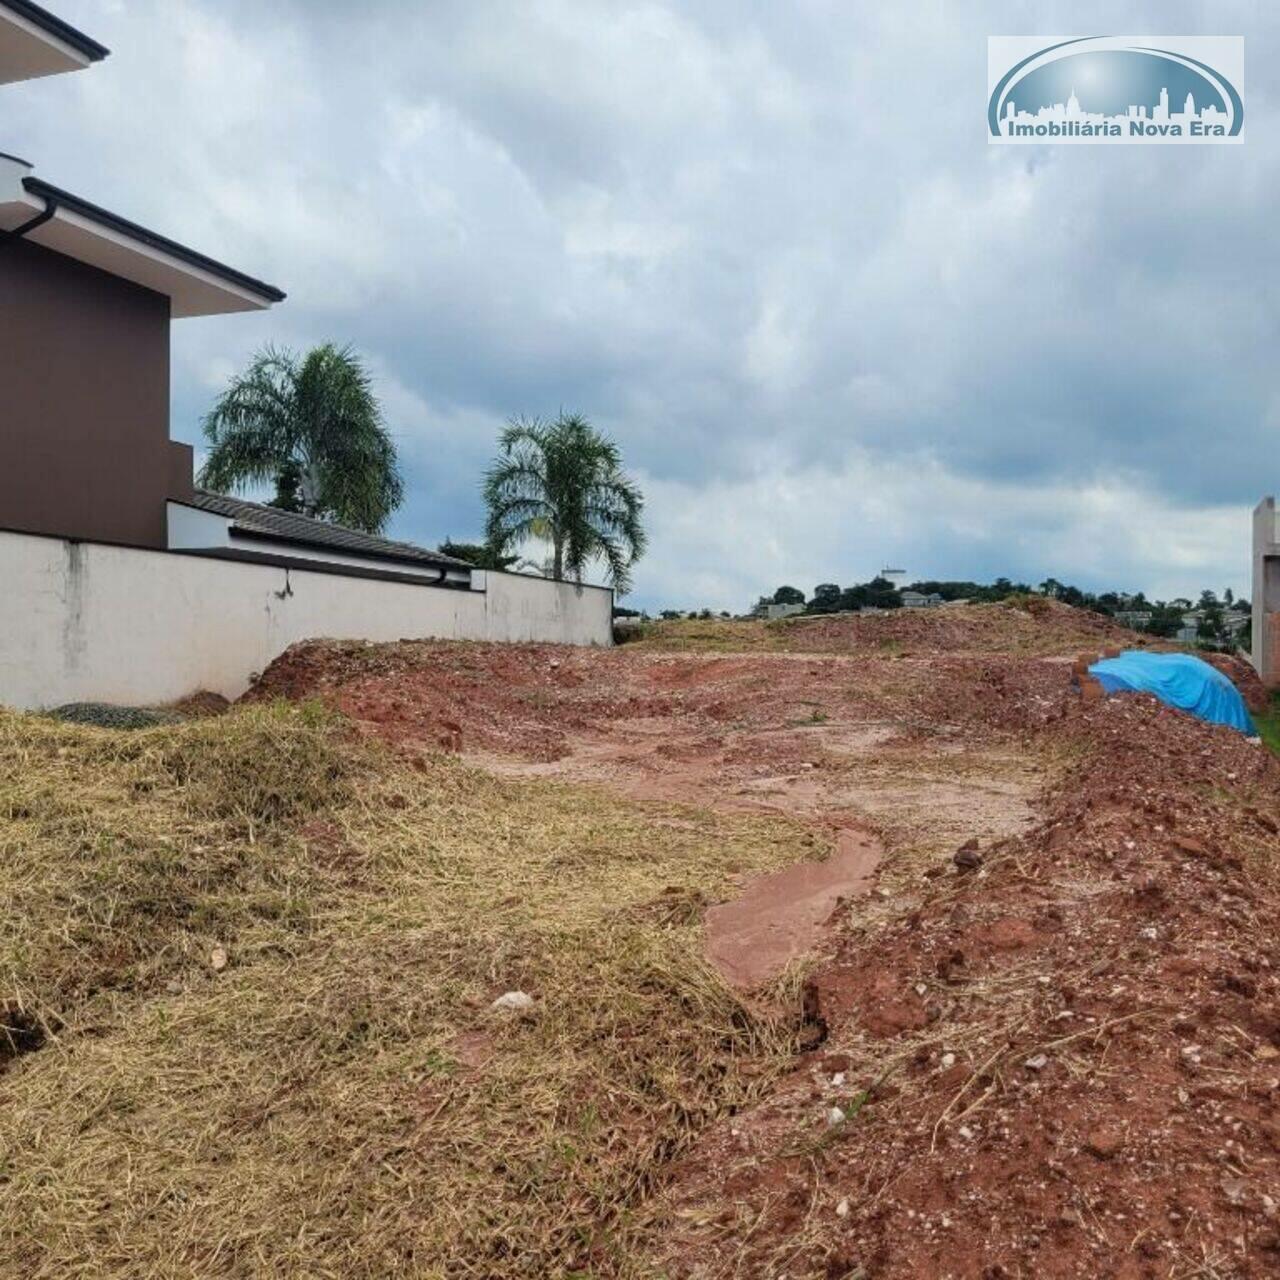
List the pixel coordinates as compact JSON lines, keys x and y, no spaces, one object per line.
{"x":83,"y":621}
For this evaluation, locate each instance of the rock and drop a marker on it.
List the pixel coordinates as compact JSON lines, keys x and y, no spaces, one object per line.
{"x":835,"y":1116}
{"x":967,"y":857}
{"x":1036,"y":1063}
{"x":218,"y":959}
{"x":842,"y":1209}
{"x":1234,"y":1189}
{"x":514,"y":1002}
{"x":1104,"y":1143}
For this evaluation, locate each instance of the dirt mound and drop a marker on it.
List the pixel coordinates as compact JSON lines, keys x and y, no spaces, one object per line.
{"x":1028,"y":626}
{"x":1240,"y":671}
{"x":1039,"y":627}
{"x":1065,"y":1062}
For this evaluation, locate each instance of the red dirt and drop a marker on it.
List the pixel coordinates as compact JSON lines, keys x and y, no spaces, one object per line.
{"x":1066,"y":1063}
{"x":1061,"y":1059}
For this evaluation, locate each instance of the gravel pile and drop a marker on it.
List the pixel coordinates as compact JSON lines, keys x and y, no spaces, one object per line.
{"x":107,"y":716}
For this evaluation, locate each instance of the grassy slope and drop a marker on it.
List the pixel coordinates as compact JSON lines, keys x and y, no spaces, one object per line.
{"x":312,"y":1109}
{"x":1268,"y":725}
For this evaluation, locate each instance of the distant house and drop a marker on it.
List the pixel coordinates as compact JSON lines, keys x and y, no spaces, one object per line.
{"x":1189,"y":631}
{"x":1138,"y":619}
{"x":122,"y":580}
{"x":1234,"y":622}
{"x":775,"y":611}
{"x":918,"y":600}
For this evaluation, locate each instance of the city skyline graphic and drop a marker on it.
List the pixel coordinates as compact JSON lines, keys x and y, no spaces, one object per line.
{"x":1071,"y":111}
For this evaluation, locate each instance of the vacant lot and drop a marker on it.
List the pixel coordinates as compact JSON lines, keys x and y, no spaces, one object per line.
{"x":249,"y":962}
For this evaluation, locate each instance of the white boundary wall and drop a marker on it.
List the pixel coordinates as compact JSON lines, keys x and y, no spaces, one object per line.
{"x":82,"y":621}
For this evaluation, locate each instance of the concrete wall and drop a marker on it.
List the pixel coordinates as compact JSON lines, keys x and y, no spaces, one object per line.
{"x":1266,"y":593}
{"x":84,"y":402}
{"x":83,"y":621}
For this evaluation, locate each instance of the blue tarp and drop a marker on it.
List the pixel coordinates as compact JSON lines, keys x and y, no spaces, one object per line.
{"x":1183,"y":681}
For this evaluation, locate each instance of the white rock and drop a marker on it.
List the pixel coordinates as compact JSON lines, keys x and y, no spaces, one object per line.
{"x":835,"y":1116}
{"x":842,"y":1209}
{"x":1037,"y":1063}
{"x":514,"y":1002}
{"x":218,"y":959}
{"x":948,"y":1060}
{"x":838,"y":1079}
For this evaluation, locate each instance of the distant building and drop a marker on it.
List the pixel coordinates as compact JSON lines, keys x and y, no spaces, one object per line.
{"x":775,"y":611}
{"x":1138,"y":619}
{"x":918,"y":600}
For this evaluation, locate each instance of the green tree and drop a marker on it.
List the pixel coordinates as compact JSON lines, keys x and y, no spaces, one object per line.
{"x":479,"y":554}
{"x":788,"y":595}
{"x":826,"y":598}
{"x":563,"y":482}
{"x":312,"y":427}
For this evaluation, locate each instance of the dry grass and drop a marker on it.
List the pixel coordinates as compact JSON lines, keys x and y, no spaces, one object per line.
{"x":714,"y":635}
{"x":1021,"y":626}
{"x":340,"y":1100}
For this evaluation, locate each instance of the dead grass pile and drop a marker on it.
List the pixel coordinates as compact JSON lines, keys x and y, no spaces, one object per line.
{"x":252,"y":960}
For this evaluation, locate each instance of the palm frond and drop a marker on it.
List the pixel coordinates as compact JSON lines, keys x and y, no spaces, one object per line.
{"x":564,"y":480}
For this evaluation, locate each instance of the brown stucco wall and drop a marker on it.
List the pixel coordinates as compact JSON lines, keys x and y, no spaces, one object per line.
{"x":84,"y":402}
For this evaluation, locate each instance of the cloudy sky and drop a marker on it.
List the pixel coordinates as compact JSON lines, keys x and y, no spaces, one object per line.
{"x":766,"y":246}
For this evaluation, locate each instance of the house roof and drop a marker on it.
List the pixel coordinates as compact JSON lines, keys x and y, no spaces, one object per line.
{"x":255,"y":520}
{"x":195,"y":284}
{"x":34,"y":42}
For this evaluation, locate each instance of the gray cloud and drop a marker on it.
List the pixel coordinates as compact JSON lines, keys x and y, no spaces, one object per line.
{"x":766,"y":246}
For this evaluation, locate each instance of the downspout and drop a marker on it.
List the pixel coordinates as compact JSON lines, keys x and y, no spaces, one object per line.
{"x":17,"y":233}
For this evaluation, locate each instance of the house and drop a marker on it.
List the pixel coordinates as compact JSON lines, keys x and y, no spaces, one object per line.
{"x":1138,"y":619}
{"x":100,"y":518}
{"x":919,"y":600}
{"x":775,"y":611}
{"x":1189,"y":630}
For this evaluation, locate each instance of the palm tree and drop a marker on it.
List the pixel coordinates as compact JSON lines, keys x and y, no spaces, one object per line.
{"x":563,"y":481}
{"x":313,"y":428}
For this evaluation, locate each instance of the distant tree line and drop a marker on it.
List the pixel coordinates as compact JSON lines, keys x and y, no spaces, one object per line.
{"x":1166,"y":617}
{"x":880,"y":593}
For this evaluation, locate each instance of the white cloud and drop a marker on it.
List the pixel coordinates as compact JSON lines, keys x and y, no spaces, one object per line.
{"x":767,"y":247}
{"x":722,"y":545}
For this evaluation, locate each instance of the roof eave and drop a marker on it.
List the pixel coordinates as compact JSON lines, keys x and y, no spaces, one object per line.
{"x":35,"y":43}
{"x":196,"y":284}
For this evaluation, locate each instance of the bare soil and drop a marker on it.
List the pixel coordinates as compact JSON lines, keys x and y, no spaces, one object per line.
{"x":1055,"y":1054}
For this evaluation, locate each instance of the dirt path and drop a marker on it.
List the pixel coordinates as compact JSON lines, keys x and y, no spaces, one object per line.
{"x":849,"y":744}
{"x":783,"y":916}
